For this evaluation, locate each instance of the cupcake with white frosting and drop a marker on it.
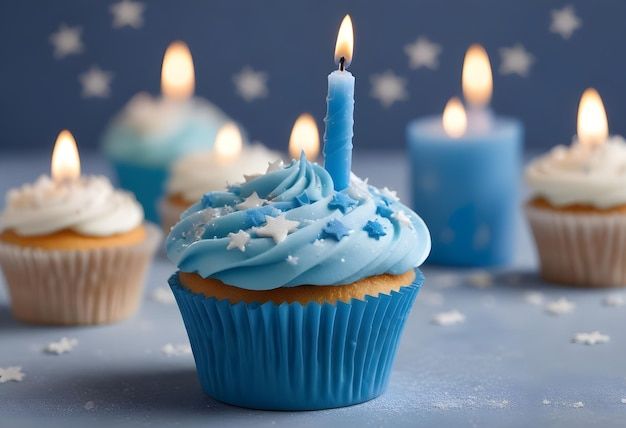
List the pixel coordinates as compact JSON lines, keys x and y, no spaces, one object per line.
{"x":73,"y":249}
{"x":228,"y":162}
{"x":578,"y":210}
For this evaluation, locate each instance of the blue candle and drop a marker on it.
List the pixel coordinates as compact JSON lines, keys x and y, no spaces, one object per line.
{"x":340,"y":111}
{"x":465,"y":173}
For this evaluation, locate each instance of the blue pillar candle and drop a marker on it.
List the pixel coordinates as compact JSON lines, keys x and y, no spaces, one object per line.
{"x":340,"y":111}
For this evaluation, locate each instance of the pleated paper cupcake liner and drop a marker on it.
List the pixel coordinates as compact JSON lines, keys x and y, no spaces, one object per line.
{"x":293,"y":356}
{"x":169,"y":214}
{"x":580,"y":249}
{"x":92,"y":286}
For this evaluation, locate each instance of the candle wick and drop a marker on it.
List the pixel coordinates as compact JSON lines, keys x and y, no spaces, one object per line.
{"x":342,"y":63}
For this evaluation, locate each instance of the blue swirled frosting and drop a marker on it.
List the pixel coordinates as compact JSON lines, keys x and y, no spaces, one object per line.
{"x":332,"y":238}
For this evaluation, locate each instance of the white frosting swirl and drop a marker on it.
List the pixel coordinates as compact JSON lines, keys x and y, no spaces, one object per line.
{"x":197,"y":173}
{"x":89,"y":206}
{"x":581,"y":174}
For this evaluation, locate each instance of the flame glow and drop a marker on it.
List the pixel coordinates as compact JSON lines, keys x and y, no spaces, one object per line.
{"x":477,"y":80}
{"x":65,"y":160}
{"x":593,"y":127}
{"x":345,"y":42}
{"x":177,"y":74}
{"x":304,"y":136}
{"x":228,"y":143}
{"x":454,"y":118}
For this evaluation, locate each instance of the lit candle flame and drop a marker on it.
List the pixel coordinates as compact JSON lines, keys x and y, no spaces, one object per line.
{"x":304,"y":136}
{"x":345,"y":43}
{"x":454,"y":118}
{"x":177,"y":74}
{"x":228,"y":143}
{"x":65,"y":160}
{"x":593,"y":128}
{"x":477,"y":80}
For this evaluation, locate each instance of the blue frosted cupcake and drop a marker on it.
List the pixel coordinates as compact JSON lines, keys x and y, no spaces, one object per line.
{"x":294,"y":295}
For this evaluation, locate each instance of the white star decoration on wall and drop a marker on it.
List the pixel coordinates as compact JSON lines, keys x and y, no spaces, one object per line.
{"x":127,"y":13}
{"x":251,"y":84}
{"x":66,"y":41}
{"x":565,"y":22}
{"x":388,"y":88}
{"x":516,"y":60}
{"x":96,"y":83}
{"x":423,"y":53}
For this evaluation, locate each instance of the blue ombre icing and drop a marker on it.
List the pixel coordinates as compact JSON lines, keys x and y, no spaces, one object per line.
{"x":290,"y":227}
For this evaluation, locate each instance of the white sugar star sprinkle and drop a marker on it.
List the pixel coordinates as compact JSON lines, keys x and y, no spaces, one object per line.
{"x":578,"y":405}
{"x":66,"y":41}
{"x":390,"y":194}
{"x":448,"y":318}
{"x":62,"y":346}
{"x":480,"y":279}
{"x":560,"y":307}
{"x":252,"y":201}
{"x":423,"y":53}
{"x":276,"y":165}
{"x":358,"y":189}
{"x":592,"y":338}
{"x":516,"y":60}
{"x":546,"y":402}
{"x":534,"y":298}
{"x":614,"y":300}
{"x":277,"y":228}
{"x":250,"y":177}
{"x":96,"y":83}
{"x":127,"y":13}
{"x":163,"y":295}
{"x":292,"y":260}
{"x":11,"y":374}
{"x":238,"y":240}
{"x":388,"y":88}
{"x":565,"y":22}
{"x":178,"y":350}
{"x":251,"y":84}
{"x":401,"y":217}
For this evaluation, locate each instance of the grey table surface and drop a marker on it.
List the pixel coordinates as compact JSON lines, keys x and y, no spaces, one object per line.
{"x":509,"y":364}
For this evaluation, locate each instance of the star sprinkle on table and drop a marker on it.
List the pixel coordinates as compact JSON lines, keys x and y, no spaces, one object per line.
{"x":388,"y":88}
{"x":62,"y":346}
{"x":238,"y":240}
{"x":423,"y":53}
{"x":592,"y":338}
{"x":127,"y":13}
{"x":11,"y":374}
{"x":565,"y":22}
{"x":614,"y":300}
{"x":277,"y":228}
{"x":515,"y":60}
{"x":534,"y":298}
{"x":336,"y":230}
{"x":177,"y":350}
{"x":252,"y":201}
{"x":250,"y":84}
{"x":66,"y":41}
{"x":560,"y":307}
{"x":374,"y":229}
{"x":96,"y":83}
{"x":449,"y":318}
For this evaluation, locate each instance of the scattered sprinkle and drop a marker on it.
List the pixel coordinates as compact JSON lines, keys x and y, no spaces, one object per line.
{"x":163,"y":295}
{"x":534,"y":298}
{"x":292,"y":260}
{"x":238,"y":240}
{"x":89,"y":405}
{"x":11,"y":374}
{"x":176,"y":350}
{"x":401,"y":217}
{"x":499,"y":404}
{"x":578,"y":405}
{"x":560,"y":306}
{"x":546,"y":402}
{"x":593,"y":338}
{"x":480,"y":279}
{"x":62,"y":346}
{"x":614,"y":300}
{"x":623,"y":400}
{"x":448,"y":318}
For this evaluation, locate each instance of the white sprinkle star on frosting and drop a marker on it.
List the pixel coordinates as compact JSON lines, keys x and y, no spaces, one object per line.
{"x":389,"y":194}
{"x":11,"y":374}
{"x":293,"y":260}
{"x":592,"y":338}
{"x":176,"y":350}
{"x":277,"y":228}
{"x":560,"y":307}
{"x":276,"y":165}
{"x":252,"y":201}
{"x":238,"y":240}
{"x":61,"y":347}
{"x":403,"y":219}
{"x":448,"y":318}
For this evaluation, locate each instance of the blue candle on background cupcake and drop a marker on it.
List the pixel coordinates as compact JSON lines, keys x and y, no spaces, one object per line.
{"x":152,"y":132}
{"x":465,"y":170}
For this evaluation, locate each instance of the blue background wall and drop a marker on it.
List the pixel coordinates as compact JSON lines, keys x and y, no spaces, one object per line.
{"x":292,"y":41}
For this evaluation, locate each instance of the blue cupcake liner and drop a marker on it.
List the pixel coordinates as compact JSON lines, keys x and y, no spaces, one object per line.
{"x":293,"y":356}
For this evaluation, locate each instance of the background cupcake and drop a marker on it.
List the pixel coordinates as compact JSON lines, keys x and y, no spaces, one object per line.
{"x":150,"y":133}
{"x":293,"y":294}
{"x":197,"y":173}
{"x":72,"y":248}
{"x":578,"y":212}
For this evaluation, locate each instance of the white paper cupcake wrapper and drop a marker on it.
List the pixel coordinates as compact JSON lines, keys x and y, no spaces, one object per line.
{"x":170,"y":214}
{"x":580,"y":249}
{"x":92,"y":286}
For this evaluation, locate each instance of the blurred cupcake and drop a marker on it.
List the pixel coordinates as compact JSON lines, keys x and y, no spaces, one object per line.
{"x":72,"y":248}
{"x":197,"y":173}
{"x":294,"y":295}
{"x":578,"y":212}
{"x":151,"y":133}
